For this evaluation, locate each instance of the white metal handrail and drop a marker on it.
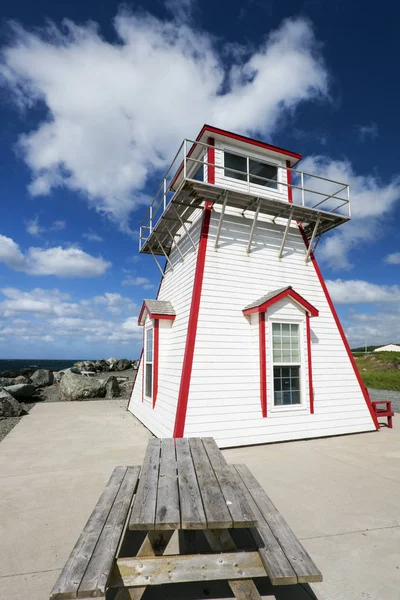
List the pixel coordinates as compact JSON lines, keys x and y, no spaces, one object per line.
{"x":192,"y":153}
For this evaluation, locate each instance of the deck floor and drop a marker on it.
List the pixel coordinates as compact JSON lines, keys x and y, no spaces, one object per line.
{"x":340,"y":496}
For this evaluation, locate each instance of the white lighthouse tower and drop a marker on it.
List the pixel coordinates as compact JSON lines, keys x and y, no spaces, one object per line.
{"x":243,"y":342}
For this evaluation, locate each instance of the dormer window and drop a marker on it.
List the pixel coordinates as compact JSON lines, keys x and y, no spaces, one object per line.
{"x":245,"y":168}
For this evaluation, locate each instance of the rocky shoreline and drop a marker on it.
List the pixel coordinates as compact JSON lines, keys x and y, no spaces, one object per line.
{"x":94,"y":380}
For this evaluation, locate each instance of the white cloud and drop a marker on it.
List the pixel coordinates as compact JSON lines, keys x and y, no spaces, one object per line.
{"x":393,"y":259}
{"x":371,"y":200}
{"x":375,"y":328}
{"x":138,"y":281}
{"x":34,"y":228}
{"x":108,"y":124}
{"x":115,"y":303}
{"x":92,"y":237}
{"x":181,"y":10}
{"x":37,"y":302}
{"x":367,"y":132}
{"x":62,"y":262}
{"x":355,"y":291}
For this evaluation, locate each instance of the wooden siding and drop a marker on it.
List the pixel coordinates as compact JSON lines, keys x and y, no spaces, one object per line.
{"x":176,"y":286}
{"x":224,"y":399}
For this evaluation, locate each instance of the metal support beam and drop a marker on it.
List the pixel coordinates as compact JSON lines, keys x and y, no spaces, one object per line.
{"x":221,"y":219}
{"x":163,"y":251}
{"x":253,"y":226}
{"x":174,"y":244}
{"x":184,"y":227}
{"x":157,"y":263}
{"x":286,"y":232}
{"x":313,"y":237}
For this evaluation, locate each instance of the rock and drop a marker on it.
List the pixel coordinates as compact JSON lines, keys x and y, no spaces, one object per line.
{"x":9,"y":406}
{"x":112,"y":387}
{"x":42,"y":377}
{"x":77,"y":387}
{"x":69,"y":370}
{"x":122,"y":365}
{"x":79,"y":365}
{"x":101,"y":365}
{"x":4,"y":381}
{"x":125,"y":389}
{"x":111,"y":363}
{"x":21,"y":390}
{"x":57,"y":376}
{"x":20,"y":379}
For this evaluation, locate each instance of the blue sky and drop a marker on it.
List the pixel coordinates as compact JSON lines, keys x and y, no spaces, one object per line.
{"x":96,"y":98}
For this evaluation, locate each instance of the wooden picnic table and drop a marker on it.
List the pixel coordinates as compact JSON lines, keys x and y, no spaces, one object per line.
{"x":184,"y":485}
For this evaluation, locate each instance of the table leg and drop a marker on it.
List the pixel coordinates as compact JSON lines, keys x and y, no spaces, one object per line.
{"x":221,"y":539}
{"x":154,"y":544}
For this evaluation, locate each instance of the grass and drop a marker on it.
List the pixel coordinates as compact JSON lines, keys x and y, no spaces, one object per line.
{"x":380,"y":370}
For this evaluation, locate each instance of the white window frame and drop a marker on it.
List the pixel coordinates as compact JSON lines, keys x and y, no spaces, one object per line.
{"x":302,"y":364}
{"x":148,"y":326}
{"x":249,"y":155}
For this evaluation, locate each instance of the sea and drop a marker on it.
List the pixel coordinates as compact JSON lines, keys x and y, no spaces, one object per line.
{"x":16,"y":364}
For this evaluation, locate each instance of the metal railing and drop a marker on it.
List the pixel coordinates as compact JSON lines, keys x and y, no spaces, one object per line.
{"x":191,"y":163}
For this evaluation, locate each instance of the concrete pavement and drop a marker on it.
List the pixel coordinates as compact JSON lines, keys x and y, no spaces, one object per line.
{"x":340,"y":495}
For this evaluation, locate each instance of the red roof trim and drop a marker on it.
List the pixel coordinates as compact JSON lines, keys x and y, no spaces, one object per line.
{"x":153,"y":315}
{"x":247,"y":140}
{"x":289,"y":292}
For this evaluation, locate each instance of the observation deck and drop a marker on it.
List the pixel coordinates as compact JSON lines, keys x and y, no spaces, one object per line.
{"x":256,"y":185}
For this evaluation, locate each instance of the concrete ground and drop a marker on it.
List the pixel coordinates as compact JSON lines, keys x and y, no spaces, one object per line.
{"x":340,"y":495}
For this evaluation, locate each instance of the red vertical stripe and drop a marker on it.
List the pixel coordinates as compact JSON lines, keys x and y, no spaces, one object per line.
{"x":155,"y":360}
{"x":263,"y":364}
{"x":211,"y":160}
{"x":289,"y":180}
{"x":192,"y":326}
{"x":340,"y":328}
{"x":310,"y":379}
{"x":143,"y":363}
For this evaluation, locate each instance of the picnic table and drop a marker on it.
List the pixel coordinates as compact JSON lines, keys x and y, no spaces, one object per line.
{"x":183,"y":486}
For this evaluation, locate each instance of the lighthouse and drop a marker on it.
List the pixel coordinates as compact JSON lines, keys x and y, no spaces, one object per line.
{"x":242,"y":342}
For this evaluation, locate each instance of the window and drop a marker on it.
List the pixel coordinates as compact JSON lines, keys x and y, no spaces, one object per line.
{"x":241,"y":167}
{"x":287,"y":363}
{"x":148,"y":384}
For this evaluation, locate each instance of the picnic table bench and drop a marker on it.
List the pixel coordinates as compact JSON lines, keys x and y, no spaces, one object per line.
{"x":184,"y":485}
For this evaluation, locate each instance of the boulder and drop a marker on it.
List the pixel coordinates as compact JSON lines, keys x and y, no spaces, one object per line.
{"x":101,"y":365}
{"x":42,"y":377}
{"x":21,"y":391}
{"x":112,"y":387}
{"x":9,"y":406}
{"x":111,"y":363}
{"x":122,"y":365}
{"x":125,"y":389}
{"x":20,"y":379}
{"x":77,"y":387}
{"x":4,"y":381}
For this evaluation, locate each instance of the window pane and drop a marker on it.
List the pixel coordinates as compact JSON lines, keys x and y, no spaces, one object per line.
{"x":239,"y":163}
{"x":276,"y":328}
{"x":286,"y":328}
{"x":198,"y":174}
{"x":149,"y":380}
{"x":286,"y":385}
{"x":261,"y":172}
{"x":149,"y":345}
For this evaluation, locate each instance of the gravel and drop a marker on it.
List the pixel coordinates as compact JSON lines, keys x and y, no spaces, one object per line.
{"x":386,"y":395}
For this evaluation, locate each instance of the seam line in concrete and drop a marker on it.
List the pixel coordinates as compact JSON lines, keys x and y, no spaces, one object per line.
{"x":29,"y":573}
{"x":318,"y":537}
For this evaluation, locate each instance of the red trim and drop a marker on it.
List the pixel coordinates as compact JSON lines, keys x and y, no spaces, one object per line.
{"x":143,"y":366}
{"x":247,"y":140}
{"x":162,"y":317}
{"x":342,"y":334}
{"x":153,"y":315}
{"x":211,"y":160}
{"x":263,"y":364}
{"x":310,"y":377}
{"x":289,"y":180}
{"x":155,"y":360}
{"x":192,"y":326}
{"x":289,"y":292}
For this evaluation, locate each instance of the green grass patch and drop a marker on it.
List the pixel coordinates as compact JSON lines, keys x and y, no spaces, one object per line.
{"x":382,"y":380}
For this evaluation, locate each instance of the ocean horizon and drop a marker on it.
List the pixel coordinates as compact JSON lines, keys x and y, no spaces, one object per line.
{"x":16,"y":364}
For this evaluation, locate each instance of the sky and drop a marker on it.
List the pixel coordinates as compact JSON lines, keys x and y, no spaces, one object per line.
{"x":97,"y":97}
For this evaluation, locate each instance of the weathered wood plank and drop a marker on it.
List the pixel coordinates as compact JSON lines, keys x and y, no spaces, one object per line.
{"x":182,"y":569}
{"x":236,"y":500}
{"x":244,"y":589}
{"x":217,"y":513}
{"x":276,"y":564}
{"x":300,"y":560}
{"x":167,"y":512}
{"x":97,"y":573}
{"x":71,"y":576}
{"x":144,"y":505}
{"x":192,"y":510}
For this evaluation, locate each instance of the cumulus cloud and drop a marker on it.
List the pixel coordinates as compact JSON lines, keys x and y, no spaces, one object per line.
{"x":138,"y":281}
{"x":108,"y":123}
{"x":371,"y":200}
{"x":92,"y":237}
{"x":62,"y":262}
{"x":354,"y":291}
{"x":34,"y":228}
{"x":37,"y":302}
{"x":393,"y":259}
{"x":378,"y":328}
